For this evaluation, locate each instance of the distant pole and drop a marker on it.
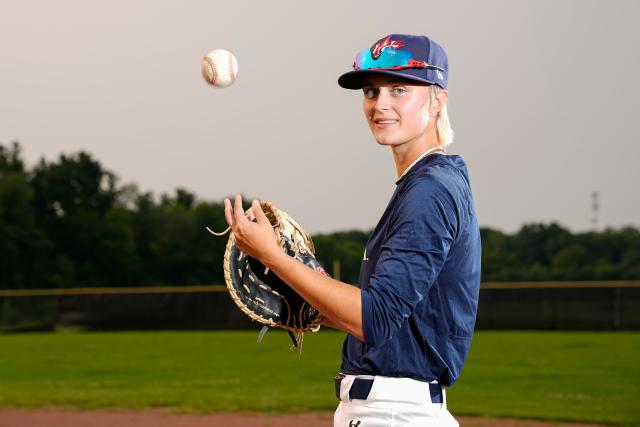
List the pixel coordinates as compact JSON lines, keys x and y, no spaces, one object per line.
{"x":336,"y":269}
{"x":595,"y":207}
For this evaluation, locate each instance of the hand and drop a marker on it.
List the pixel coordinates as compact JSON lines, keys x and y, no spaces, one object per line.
{"x":256,"y":239}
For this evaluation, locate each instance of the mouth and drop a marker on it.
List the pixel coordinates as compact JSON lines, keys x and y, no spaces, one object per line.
{"x":383,"y":123}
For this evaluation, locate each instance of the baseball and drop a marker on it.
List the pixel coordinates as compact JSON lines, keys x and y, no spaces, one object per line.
{"x":219,"y":68}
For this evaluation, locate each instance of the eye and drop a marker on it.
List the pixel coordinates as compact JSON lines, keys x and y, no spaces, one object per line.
{"x":398,"y":91}
{"x":369,"y":92}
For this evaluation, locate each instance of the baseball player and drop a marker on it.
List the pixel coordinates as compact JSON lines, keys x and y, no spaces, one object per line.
{"x":410,"y":322}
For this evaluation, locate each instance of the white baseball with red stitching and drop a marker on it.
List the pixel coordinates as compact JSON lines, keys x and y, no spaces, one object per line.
{"x":219,"y":68}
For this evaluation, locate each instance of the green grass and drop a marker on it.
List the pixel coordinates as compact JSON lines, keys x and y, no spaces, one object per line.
{"x":569,"y":376}
{"x":592,"y":377}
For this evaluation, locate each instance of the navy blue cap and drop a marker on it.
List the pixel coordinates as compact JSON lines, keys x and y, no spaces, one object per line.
{"x":412,"y":57}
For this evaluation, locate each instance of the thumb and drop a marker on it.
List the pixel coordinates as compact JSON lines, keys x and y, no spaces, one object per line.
{"x":259,"y":213}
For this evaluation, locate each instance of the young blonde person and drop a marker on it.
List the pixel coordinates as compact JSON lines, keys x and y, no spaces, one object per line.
{"x":409,"y":323}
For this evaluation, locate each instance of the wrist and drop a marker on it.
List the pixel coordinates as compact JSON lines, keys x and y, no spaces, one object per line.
{"x":274,"y":259}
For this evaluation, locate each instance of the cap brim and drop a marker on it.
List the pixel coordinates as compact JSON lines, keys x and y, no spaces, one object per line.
{"x":355,"y":79}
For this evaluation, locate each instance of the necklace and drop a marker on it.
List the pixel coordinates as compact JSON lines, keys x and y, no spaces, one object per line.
{"x":422,"y":156}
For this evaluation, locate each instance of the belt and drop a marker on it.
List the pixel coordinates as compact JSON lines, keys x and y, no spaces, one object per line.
{"x":362,"y":386}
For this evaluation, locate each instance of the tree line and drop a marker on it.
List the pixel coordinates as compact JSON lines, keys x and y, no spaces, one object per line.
{"x":70,"y":223}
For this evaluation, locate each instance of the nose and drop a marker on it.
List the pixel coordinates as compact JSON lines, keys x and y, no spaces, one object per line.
{"x":383,"y":100}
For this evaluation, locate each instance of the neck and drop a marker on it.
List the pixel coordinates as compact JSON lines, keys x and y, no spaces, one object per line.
{"x":406,"y":154}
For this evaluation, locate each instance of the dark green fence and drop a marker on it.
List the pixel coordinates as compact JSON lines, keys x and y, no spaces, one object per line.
{"x":560,"y":306}
{"x":525,"y":305}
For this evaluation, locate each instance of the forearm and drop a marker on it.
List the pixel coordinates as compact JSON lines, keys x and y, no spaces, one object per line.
{"x":327,"y":323}
{"x":339,"y":302}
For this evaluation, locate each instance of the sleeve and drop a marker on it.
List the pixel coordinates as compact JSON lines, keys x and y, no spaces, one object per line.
{"x":411,"y":258}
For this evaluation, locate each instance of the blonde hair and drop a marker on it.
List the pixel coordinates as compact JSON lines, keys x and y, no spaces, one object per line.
{"x":445,"y":133}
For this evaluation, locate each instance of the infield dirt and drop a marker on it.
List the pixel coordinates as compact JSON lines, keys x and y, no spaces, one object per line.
{"x":163,"y":418}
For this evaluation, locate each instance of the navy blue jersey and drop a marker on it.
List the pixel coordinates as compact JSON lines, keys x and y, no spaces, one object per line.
{"x":420,"y":278}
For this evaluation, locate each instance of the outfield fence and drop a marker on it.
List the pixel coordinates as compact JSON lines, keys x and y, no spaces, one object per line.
{"x":594,"y":305}
{"x":597,"y":305}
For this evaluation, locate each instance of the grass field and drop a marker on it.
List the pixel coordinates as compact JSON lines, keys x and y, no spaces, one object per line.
{"x":591,"y":377}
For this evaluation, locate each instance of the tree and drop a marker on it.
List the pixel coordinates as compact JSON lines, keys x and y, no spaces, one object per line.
{"x":27,"y":257}
{"x":72,"y":199}
{"x":68,"y":223}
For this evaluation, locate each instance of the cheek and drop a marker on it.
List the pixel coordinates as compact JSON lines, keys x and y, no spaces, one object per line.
{"x":418,"y":109}
{"x":368,"y":112}
{"x":416,"y":117}
{"x":367,"y":109}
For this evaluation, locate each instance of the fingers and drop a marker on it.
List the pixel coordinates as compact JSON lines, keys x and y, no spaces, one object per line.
{"x":235,"y":214}
{"x":228,"y":212}
{"x":259,"y":213}
{"x":238,"y":212}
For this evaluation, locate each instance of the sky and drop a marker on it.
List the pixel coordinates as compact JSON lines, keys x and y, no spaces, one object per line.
{"x":543,"y":99}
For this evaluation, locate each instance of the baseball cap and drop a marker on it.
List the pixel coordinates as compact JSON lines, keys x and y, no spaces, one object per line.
{"x":403,"y":55}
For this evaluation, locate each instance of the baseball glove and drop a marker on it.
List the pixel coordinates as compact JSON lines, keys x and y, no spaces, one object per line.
{"x":261,"y":294}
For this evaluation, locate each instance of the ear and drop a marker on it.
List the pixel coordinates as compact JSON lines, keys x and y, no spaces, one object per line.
{"x":438,"y":103}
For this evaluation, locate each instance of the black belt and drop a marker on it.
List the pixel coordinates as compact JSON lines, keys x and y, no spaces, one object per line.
{"x":362,"y":386}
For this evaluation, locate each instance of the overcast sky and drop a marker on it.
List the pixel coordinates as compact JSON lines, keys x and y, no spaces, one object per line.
{"x":543,"y":97}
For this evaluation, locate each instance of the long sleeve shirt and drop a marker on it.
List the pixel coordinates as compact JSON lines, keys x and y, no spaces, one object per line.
{"x":420,"y":278}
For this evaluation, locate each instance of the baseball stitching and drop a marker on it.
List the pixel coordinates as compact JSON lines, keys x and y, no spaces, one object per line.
{"x":213,"y":70}
{"x":233,"y":76}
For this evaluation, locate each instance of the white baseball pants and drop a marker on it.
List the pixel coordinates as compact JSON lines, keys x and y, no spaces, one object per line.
{"x":392,"y":402}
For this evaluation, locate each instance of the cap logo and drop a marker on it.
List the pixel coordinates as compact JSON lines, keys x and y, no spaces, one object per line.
{"x":381,"y":45}
{"x":440,"y":75}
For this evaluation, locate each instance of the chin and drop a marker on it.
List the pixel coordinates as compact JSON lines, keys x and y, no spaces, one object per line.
{"x":386,"y":141}
{"x":386,"y":144}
